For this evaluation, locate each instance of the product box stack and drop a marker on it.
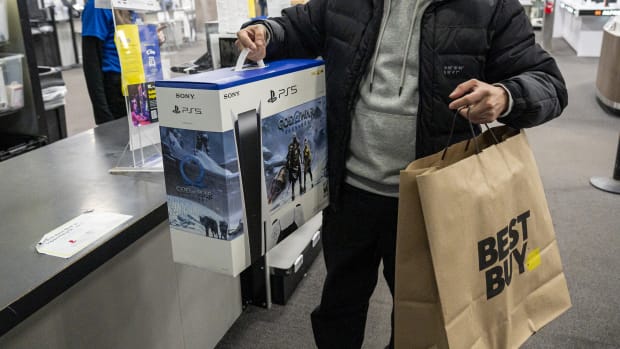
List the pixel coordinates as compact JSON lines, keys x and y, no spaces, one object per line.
{"x":245,"y":159}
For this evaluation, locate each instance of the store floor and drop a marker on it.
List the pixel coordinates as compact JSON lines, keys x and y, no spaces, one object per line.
{"x":569,"y":150}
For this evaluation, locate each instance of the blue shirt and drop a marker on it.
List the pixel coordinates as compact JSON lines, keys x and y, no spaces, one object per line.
{"x":99,"y":22}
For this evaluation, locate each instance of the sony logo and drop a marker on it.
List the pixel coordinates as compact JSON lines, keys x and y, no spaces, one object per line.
{"x":185,"y":95}
{"x":232,"y":95}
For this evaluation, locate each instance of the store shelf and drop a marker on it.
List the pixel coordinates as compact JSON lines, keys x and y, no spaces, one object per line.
{"x":12,"y":145}
{"x":580,"y":10}
{"x":9,"y":112}
{"x":581,"y":25}
{"x":32,"y":119}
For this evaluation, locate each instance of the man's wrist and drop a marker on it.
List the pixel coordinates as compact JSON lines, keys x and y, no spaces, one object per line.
{"x":510,"y":101}
{"x":267,"y":33}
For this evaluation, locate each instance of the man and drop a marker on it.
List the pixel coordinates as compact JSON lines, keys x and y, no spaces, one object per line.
{"x":102,"y":68}
{"x":263,"y":7}
{"x":396,"y":70}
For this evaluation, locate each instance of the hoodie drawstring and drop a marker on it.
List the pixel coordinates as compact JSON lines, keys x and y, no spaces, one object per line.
{"x":387,"y":7}
{"x":403,"y":68}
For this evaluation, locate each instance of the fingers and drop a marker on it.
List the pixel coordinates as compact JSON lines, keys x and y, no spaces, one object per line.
{"x":477,"y":115}
{"x":254,"y":38}
{"x":466,"y":101}
{"x":464,"y":88}
{"x":259,"y":35}
{"x":245,"y":38}
{"x":258,"y":54}
{"x":480,"y":102}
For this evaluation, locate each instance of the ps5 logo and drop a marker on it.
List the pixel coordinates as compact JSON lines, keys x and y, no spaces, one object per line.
{"x":283,"y":92}
{"x":187,"y":110}
{"x":273,"y":97}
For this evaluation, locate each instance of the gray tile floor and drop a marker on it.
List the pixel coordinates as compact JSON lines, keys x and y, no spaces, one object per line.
{"x":569,"y":150}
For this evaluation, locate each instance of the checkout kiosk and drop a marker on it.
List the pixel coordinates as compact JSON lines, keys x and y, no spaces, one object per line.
{"x":608,"y":77}
{"x":581,"y":22}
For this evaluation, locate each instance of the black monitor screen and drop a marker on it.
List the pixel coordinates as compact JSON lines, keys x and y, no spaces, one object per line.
{"x":228,"y":52}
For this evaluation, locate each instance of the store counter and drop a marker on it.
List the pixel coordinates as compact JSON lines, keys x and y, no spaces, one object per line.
{"x":581,"y":24}
{"x":122,"y":291}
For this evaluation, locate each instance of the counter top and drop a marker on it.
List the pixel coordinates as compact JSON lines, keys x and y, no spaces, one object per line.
{"x":49,"y":186}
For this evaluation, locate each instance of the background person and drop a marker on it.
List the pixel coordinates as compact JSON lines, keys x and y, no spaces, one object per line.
{"x":102,"y":69}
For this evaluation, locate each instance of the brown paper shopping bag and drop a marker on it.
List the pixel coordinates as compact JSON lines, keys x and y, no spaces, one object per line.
{"x":477,"y":262}
{"x":418,"y":322}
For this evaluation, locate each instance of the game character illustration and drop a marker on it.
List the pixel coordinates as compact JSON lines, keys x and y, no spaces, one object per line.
{"x":138,"y":103}
{"x":202,"y":143}
{"x":293,"y":164}
{"x":278,"y":184}
{"x":294,"y":142}
{"x":307,"y":163}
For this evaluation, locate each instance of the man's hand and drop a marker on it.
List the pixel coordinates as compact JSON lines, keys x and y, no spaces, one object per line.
{"x":161,"y":37}
{"x":483,"y":103}
{"x":253,"y":37}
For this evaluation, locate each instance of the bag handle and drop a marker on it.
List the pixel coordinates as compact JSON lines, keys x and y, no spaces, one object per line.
{"x":473,"y":133}
{"x":242,"y":57}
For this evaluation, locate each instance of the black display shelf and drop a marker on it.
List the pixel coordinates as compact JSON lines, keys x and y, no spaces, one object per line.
{"x":9,"y":112}
{"x":32,"y":120}
{"x":12,"y":145}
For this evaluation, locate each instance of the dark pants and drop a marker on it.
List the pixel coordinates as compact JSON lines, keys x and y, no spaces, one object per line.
{"x":355,"y":240}
{"x":308,"y":171}
{"x":114,"y":96}
{"x":104,"y":88}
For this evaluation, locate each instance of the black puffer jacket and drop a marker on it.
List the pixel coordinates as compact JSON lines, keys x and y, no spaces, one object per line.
{"x":490,"y":40}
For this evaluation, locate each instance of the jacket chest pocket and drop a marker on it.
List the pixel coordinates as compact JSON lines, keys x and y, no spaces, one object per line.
{"x":456,"y":68}
{"x":461,"y":53}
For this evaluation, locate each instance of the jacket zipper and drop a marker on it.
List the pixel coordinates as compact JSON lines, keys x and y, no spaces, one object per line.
{"x":430,"y":7}
{"x":354,"y":95}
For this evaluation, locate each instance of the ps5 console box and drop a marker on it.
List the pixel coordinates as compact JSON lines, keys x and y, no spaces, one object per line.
{"x":245,"y":159}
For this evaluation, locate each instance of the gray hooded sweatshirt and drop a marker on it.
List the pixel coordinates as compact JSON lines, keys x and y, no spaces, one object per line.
{"x":383,"y":126}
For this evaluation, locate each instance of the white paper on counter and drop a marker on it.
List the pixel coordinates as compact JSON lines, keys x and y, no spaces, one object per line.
{"x":75,"y":235}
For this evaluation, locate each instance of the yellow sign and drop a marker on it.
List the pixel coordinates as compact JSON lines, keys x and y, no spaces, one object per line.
{"x":251,"y":9}
{"x":127,"y":41}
